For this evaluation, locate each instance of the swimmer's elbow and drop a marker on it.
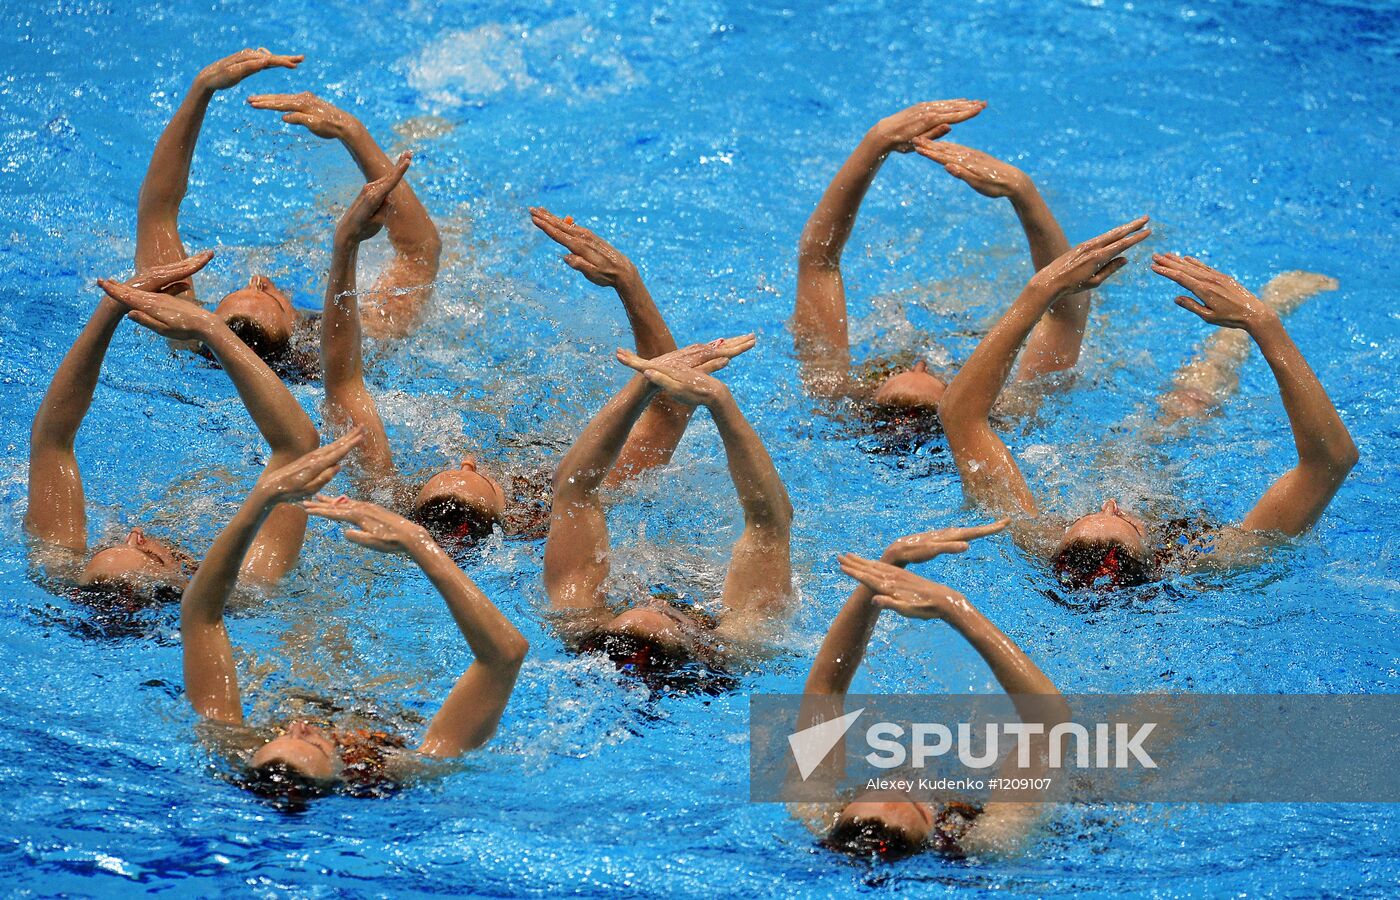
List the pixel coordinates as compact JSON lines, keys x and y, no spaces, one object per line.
{"x":1347,"y":456}
{"x":513,"y":650}
{"x":813,"y":252}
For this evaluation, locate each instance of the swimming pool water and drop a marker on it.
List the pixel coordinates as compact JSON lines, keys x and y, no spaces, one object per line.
{"x":697,"y":136}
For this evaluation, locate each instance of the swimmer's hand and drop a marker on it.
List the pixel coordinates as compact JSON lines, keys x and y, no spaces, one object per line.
{"x":599,"y":261}
{"x":375,"y":527}
{"x":311,"y":112}
{"x":1091,"y":263}
{"x":171,"y":276}
{"x":1223,"y":300}
{"x":168,"y":317}
{"x":304,"y":476}
{"x":930,"y":120}
{"x":708,"y":358}
{"x":232,"y":69}
{"x":986,"y":174}
{"x":922,"y":547}
{"x":902,"y":591}
{"x":693,"y":386}
{"x":365,"y":217}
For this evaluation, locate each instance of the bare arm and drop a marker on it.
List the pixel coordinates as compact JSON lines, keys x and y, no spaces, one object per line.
{"x":1326,"y":451}
{"x":276,"y":413}
{"x":989,"y":472}
{"x":211,"y":678}
{"x":56,"y":512}
{"x":654,"y":439}
{"x":819,"y":323}
{"x":576,"y":551}
{"x":1004,"y":825}
{"x":348,"y":400}
{"x":758,"y":586}
{"x":167,"y":176}
{"x":406,"y":283}
{"x":474,"y":707}
{"x":1055,"y":341}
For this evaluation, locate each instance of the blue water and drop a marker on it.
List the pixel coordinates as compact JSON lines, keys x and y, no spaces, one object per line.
{"x":1260,"y":136}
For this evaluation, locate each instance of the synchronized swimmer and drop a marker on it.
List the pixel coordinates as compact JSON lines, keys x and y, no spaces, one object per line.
{"x":259,"y":338}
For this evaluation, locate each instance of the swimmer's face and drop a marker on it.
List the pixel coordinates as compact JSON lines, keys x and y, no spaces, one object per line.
{"x":915,"y":389}
{"x":137,"y":560}
{"x":305,"y":748}
{"x":1110,"y":524}
{"x":260,"y":314}
{"x":468,"y":487}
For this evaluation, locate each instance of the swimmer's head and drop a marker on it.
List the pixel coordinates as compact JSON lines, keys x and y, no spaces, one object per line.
{"x":262,"y":317}
{"x":884,"y":827}
{"x":305,"y":751}
{"x":915,"y":389}
{"x":1108,"y":547}
{"x":137,"y":562}
{"x":460,"y":504}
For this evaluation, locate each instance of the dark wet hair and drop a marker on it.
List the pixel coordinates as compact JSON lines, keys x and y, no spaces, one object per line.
{"x":251,"y":332}
{"x":451,"y":521}
{"x":284,"y":786}
{"x":1100,"y":565}
{"x":659,"y":668}
{"x":871,"y":839}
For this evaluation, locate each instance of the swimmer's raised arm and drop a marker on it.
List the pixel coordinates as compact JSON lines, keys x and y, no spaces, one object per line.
{"x":1055,"y":342}
{"x":1003,"y":825}
{"x":276,"y":413}
{"x":758,"y":586}
{"x":819,"y":324}
{"x":211,"y":678}
{"x":167,"y":176}
{"x":473,"y":709}
{"x":57,"y":514}
{"x":1326,"y":451}
{"x":654,"y":439}
{"x":407,"y":283}
{"x":348,"y":400}
{"x":844,"y":646}
{"x":989,"y":471}
{"x":576,"y":551}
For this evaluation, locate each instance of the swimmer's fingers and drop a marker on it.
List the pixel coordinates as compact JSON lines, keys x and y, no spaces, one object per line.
{"x":339,"y":510}
{"x":1120,"y":246}
{"x":1191,"y":304}
{"x":942,"y":152}
{"x":973,"y":532}
{"x":631,"y":360}
{"x":1105,"y":272}
{"x":382,"y":187}
{"x":579,"y":264}
{"x":145,"y":321}
{"x":874,"y":575}
{"x":1113,"y":235}
{"x":732,"y":347}
{"x":1183,"y":277}
{"x":300,"y":102}
{"x":664,"y":380}
{"x":160,"y":277}
{"x":297,"y":118}
{"x":949,"y":112}
{"x":896,"y":605}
